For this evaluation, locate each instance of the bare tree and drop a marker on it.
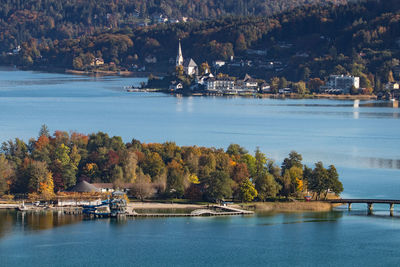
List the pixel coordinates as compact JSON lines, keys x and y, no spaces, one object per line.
{"x":142,"y":188}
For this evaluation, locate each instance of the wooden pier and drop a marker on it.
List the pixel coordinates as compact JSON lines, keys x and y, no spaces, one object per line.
{"x":370,"y":203}
{"x":206,"y":211}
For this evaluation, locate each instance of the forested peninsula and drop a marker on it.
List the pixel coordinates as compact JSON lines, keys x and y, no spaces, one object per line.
{"x":49,"y":165}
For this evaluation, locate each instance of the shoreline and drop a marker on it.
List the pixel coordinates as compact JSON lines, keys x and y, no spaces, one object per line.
{"x":258,"y":95}
{"x":279,"y":207}
{"x":132,"y":74}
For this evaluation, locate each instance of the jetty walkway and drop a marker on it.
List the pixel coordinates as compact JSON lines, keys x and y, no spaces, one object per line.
{"x":214,"y":210}
{"x":370,"y":203}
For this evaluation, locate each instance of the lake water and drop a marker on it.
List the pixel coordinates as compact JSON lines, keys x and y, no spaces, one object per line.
{"x":363,"y":143}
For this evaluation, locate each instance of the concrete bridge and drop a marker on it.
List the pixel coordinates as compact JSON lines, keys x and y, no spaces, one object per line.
{"x":369,"y":202}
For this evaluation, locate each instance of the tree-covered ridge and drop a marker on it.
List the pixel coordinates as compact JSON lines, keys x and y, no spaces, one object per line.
{"x":309,"y":42}
{"x":51,"y":20}
{"x":55,"y":163}
{"x":59,"y":19}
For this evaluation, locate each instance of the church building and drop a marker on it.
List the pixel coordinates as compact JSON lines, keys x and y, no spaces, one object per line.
{"x":189,"y":66}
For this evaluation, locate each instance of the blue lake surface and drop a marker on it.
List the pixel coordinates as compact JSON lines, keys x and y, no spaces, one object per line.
{"x":363,"y":143}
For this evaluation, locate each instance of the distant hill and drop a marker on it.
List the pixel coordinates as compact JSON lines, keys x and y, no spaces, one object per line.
{"x":60,"y":19}
{"x":311,"y":41}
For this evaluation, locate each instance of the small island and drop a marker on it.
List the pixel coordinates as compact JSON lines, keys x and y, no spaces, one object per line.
{"x":71,"y":168}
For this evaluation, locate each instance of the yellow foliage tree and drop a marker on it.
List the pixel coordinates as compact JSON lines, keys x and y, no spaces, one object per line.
{"x":46,"y":188}
{"x":193,"y":179}
{"x":299,"y":185}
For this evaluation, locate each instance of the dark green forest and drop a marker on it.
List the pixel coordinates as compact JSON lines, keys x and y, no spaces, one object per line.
{"x":60,"y":19}
{"x":50,"y":164}
{"x":310,"y":41}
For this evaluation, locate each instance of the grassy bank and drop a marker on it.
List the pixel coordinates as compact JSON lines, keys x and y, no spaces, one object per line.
{"x":299,"y":206}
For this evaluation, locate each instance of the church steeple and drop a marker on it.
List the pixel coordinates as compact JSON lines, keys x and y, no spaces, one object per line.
{"x":179,"y":57}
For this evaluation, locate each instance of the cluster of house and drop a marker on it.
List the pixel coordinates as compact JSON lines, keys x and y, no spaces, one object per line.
{"x":15,"y":51}
{"x":220,"y":84}
{"x":258,"y":63}
{"x":97,"y":62}
{"x":157,"y":18}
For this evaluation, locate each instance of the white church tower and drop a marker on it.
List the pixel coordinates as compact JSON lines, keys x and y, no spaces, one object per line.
{"x":179,"y":57}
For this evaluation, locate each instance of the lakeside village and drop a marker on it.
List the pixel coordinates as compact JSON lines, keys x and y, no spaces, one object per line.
{"x":192,"y":79}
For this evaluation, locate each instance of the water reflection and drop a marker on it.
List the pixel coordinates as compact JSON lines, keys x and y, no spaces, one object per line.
{"x":33,"y":221}
{"x":300,"y":217}
{"x":381,"y":163}
{"x":7,"y":221}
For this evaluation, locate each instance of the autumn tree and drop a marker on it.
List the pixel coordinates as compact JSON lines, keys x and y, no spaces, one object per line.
{"x":235,"y":150}
{"x":267,"y":187}
{"x":240,"y":44}
{"x":153,"y":165}
{"x":64,"y":166}
{"x":38,"y":175}
{"x":41,"y":149}
{"x":46,"y":187}
{"x":240,"y":172}
{"x":44,"y":131}
{"x":129,"y":165}
{"x":315,"y":84}
{"x":175,"y":179}
{"x":334,"y":184}
{"x":6,"y":175}
{"x":294,"y":159}
{"x":142,"y":188}
{"x":247,"y":191}
{"x":321,"y":180}
{"x":260,"y":162}
{"x":218,"y":186}
{"x":204,"y":68}
{"x":250,"y":161}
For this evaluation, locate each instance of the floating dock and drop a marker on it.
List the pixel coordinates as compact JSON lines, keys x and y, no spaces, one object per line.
{"x":209,"y":211}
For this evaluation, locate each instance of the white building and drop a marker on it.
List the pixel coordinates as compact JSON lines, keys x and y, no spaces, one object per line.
{"x":218,"y":63}
{"x":265,"y":88}
{"x":220,"y":84}
{"x":202,"y":79}
{"x":175,"y":86}
{"x":248,"y":84}
{"x":17,"y":50}
{"x":342,"y":83}
{"x":190,"y":67}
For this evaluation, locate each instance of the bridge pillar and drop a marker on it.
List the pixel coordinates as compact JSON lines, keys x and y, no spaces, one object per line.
{"x":350,"y":206}
{"x":370,"y":208}
{"x":391,"y":209}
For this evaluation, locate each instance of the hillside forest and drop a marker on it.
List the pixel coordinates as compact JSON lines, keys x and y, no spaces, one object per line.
{"x":310,"y":41}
